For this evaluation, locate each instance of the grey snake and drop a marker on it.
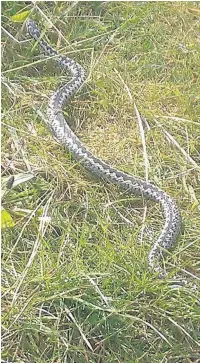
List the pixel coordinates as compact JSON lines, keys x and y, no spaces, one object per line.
{"x":63,"y":133}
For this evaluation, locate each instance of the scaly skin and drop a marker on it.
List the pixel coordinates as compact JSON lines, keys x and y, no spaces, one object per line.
{"x":66,"y":136}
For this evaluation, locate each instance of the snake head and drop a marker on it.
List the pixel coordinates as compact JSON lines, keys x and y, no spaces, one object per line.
{"x":33,"y":29}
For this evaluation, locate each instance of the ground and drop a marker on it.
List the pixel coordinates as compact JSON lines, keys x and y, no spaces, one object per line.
{"x":75,"y":283}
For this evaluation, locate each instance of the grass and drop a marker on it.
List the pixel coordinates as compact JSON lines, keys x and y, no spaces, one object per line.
{"x":75,"y":283}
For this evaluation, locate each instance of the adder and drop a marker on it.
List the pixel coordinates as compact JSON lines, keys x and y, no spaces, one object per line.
{"x":63,"y":133}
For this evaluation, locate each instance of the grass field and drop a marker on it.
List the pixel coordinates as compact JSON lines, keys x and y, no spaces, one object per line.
{"x":75,"y":282}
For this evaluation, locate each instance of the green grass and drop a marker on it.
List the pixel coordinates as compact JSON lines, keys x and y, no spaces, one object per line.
{"x":75,"y":283}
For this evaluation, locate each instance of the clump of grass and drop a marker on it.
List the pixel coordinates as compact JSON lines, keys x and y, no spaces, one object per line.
{"x":76,"y":286}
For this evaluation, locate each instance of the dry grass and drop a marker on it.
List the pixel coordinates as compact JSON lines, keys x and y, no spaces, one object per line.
{"x":75,"y":283}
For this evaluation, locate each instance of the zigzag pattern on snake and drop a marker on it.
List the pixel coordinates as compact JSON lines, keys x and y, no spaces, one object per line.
{"x":130,"y":183}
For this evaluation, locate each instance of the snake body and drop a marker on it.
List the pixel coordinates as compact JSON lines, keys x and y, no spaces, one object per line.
{"x":63,"y":133}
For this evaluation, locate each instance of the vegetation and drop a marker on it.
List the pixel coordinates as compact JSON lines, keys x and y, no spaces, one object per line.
{"x":75,"y":284}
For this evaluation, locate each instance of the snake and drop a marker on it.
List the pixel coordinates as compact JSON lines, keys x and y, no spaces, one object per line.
{"x":62,"y":132}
